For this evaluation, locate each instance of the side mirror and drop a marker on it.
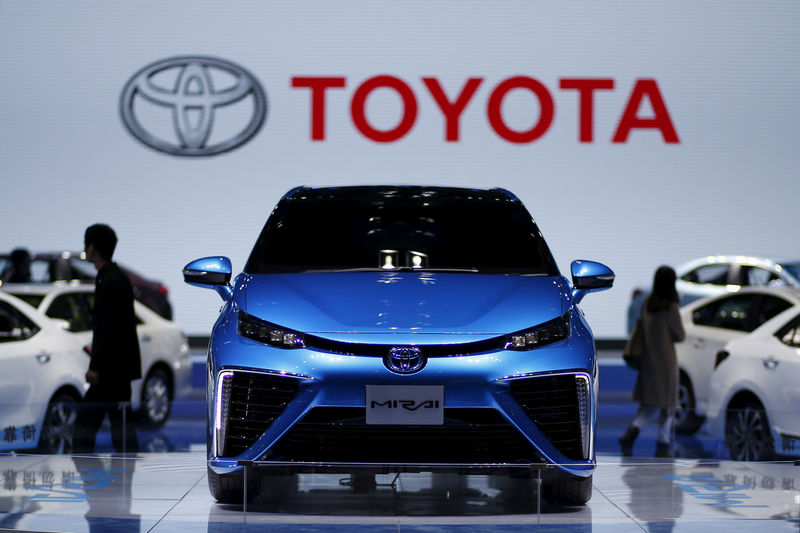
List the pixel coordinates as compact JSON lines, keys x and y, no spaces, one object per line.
{"x":589,"y":276}
{"x":63,"y":324}
{"x":210,"y":273}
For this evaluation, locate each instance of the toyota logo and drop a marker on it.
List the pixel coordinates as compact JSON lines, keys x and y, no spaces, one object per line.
{"x":405,"y":360}
{"x":194,"y":90}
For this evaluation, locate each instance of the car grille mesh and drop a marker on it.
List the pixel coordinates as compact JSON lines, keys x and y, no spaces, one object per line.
{"x":551,"y":402}
{"x":341,"y":434}
{"x":256,"y":400}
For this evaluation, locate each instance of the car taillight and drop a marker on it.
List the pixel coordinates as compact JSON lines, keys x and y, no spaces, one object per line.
{"x":163,"y":290}
{"x":88,"y":349}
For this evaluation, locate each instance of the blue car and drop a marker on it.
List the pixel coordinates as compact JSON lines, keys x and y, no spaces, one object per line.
{"x":400,"y":329}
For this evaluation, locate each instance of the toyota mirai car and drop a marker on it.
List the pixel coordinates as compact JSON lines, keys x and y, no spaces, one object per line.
{"x":166,"y":363}
{"x":400,"y":329}
{"x":754,"y":398}
{"x":710,"y":323}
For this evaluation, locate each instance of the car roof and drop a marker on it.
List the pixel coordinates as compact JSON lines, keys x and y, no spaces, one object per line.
{"x":55,"y":288}
{"x":46,"y":288}
{"x":368,"y":193}
{"x":787,"y":293}
{"x":739,"y":259}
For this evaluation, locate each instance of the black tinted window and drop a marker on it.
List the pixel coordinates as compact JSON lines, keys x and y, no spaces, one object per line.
{"x":31,"y":299}
{"x":790,"y":334}
{"x":771,"y":306}
{"x":14,"y":326}
{"x":734,"y":312}
{"x":365,"y":228}
{"x":716,"y":274}
{"x":757,"y":276}
{"x":75,"y":308}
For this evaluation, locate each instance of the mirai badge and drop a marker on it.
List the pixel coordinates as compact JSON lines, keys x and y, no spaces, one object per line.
{"x":214,"y":106}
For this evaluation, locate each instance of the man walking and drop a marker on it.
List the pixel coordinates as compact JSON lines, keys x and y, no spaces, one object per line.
{"x":115,"y":358}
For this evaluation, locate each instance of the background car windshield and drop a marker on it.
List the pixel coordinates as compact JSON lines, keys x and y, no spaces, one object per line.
{"x":387,"y":231}
{"x":793,"y":268}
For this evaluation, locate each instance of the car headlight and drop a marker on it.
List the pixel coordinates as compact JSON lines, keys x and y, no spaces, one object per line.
{"x":266,"y":333}
{"x":541,"y":335}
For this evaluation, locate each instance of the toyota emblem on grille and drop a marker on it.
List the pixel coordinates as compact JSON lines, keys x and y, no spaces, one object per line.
{"x":193,"y":91}
{"x":405,"y":360}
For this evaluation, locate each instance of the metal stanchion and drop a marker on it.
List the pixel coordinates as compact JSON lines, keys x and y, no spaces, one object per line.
{"x":244,"y":492}
{"x":245,"y":467}
{"x":124,"y":427}
{"x":538,"y":499}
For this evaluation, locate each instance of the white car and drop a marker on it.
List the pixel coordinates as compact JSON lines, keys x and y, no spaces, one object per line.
{"x":710,"y":323}
{"x":754,"y":398}
{"x":719,"y":274}
{"x":42,"y":380}
{"x":166,"y":364}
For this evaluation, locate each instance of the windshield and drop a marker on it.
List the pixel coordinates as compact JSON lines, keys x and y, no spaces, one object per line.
{"x":793,"y":269}
{"x":370,"y":228}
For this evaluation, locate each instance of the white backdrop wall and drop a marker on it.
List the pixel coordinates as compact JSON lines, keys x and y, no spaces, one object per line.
{"x":727,"y":72}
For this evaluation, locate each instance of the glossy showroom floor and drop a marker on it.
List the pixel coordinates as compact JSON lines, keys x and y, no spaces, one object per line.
{"x":165,"y":490}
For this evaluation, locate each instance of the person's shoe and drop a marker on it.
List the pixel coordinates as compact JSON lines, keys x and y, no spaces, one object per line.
{"x":627,"y":439}
{"x":663,"y":449}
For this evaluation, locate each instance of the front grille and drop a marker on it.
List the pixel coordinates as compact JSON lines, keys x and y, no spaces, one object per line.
{"x":468,"y":436}
{"x":551,"y":402}
{"x":256,"y":400}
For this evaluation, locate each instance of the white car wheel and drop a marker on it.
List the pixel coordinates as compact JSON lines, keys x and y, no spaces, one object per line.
{"x":686,"y":419}
{"x":156,"y":395}
{"x":747,"y":433}
{"x":59,"y":421}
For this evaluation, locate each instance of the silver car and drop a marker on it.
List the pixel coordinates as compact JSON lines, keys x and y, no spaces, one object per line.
{"x":718,"y":274}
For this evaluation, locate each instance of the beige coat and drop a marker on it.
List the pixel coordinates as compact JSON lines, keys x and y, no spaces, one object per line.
{"x":657,"y":381}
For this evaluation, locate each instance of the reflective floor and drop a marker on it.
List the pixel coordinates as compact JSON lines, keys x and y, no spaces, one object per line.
{"x":168,"y":492}
{"x":164,"y":489}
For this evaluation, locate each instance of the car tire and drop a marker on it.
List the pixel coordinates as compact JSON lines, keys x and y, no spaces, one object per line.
{"x":59,"y":423}
{"x":229,"y":488}
{"x":747,"y":432}
{"x":567,"y":490}
{"x":686,"y":419}
{"x":156,"y":399}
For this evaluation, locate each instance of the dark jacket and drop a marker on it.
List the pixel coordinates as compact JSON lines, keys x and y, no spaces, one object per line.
{"x":115,"y":345}
{"x":657,"y":382}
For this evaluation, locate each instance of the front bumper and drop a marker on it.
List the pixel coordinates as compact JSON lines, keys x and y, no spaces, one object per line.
{"x":317,"y":422}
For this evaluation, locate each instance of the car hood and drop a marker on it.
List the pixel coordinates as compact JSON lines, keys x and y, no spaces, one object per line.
{"x":402,"y":302}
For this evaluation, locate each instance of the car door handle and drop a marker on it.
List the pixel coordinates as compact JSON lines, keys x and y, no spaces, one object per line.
{"x":770,"y":363}
{"x":43,"y":357}
{"x":146,"y":338}
{"x":699,"y":343}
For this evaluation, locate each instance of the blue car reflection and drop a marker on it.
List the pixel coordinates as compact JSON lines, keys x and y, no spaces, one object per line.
{"x":401,"y":329}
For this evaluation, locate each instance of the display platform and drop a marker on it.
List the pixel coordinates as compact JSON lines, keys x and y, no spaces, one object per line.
{"x":167,"y":492}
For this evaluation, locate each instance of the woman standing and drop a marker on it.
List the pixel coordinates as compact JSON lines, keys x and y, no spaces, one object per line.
{"x":656,"y":387}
